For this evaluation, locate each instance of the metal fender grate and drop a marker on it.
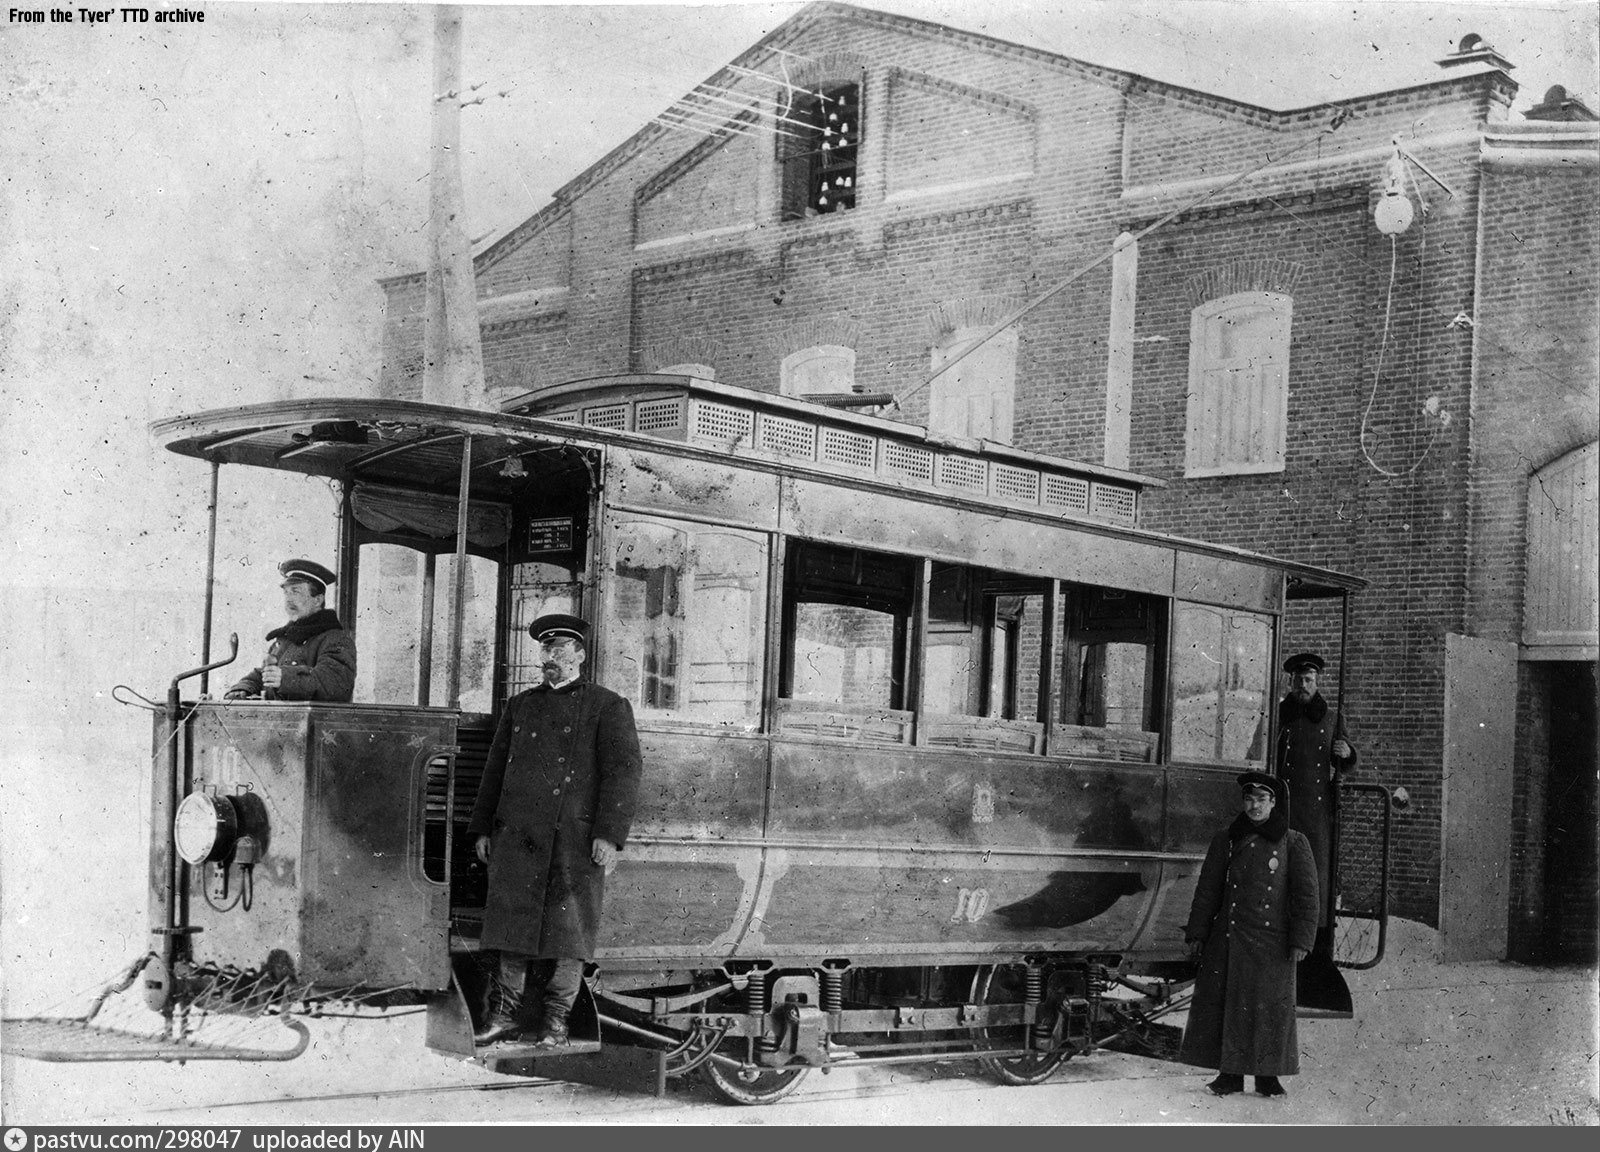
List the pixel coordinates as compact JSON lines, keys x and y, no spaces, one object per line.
{"x":79,"y":1041}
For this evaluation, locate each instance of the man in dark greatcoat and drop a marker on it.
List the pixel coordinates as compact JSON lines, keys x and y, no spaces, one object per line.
{"x":312,"y":657}
{"x":552,"y":814}
{"x":1313,"y":749}
{"x":1253,"y":919}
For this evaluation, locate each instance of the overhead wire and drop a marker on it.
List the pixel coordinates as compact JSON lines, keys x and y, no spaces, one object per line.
{"x":1337,"y":121}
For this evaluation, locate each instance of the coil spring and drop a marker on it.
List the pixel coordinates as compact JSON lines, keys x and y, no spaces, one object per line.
{"x":756,"y":1003}
{"x":755,"y":995}
{"x":832,"y":990}
{"x":1099,"y":979}
{"x":1033,"y":989}
{"x":1033,"y":993}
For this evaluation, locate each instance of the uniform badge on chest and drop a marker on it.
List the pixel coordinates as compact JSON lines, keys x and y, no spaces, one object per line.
{"x":1272,"y":864}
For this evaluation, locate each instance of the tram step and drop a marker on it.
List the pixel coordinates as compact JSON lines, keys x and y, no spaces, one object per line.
{"x":518,"y":1050}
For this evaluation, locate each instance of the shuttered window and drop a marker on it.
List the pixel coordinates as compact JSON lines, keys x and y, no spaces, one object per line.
{"x":976,"y":397}
{"x":1561,"y":609}
{"x":1238,"y":384}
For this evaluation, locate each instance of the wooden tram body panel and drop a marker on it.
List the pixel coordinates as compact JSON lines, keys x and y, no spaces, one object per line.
{"x":903,"y":857}
{"x":340,"y":888}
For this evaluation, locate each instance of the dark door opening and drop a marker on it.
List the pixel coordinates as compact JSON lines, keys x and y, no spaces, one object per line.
{"x":1571,"y":877}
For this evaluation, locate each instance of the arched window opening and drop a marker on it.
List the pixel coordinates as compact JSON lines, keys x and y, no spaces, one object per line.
{"x":819,"y":136}
{"x":821,"y":370}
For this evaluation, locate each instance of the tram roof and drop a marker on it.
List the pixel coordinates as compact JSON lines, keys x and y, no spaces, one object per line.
{"x":410,"y":443}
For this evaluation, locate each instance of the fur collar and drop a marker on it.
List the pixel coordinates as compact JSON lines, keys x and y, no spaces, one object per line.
{"x":1291,"y":710}
{"x":1272,"y":829}
{"x":299,"y":631}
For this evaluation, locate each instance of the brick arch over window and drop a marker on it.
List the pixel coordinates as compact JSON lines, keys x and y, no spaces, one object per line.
{"x":820,"y":69}
{"x":659,"y":355}
{"x":798,"y":334}
{"x":1244,"y":274}
{"x":979,"y":311}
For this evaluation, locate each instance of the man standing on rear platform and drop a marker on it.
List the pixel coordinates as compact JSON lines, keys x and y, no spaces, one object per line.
{"x":1313,"y":750}
{"x":553,"y":812}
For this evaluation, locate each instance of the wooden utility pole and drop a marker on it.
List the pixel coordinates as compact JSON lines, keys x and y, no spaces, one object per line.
{"x":452,"y":350}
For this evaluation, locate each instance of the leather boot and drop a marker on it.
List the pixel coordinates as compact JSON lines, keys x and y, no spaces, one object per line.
{"x":505,"y":998}
{"x":1227,"y":1084}
{"x":554,"y":1033}
{"x":560,"y":992}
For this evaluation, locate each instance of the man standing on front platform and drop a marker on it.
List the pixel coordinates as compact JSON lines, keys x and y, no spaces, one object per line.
{"x":552,"y":814}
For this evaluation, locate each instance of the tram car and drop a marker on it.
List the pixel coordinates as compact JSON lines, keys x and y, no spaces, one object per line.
{"x":935,"y":734}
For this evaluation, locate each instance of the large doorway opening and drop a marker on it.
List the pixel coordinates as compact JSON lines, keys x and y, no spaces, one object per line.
{"x":1571,"y":875}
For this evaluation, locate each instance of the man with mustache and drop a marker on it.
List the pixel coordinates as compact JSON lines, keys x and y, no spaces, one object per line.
{"x":312,"y":657}
{"x":552,"y":815}
{"x":1313,"y":750}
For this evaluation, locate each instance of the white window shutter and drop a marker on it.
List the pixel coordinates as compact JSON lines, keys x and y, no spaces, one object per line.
{"x":1238,"y":384}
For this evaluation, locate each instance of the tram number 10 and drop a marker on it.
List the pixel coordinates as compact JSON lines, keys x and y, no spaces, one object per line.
{"x":971,"y":904}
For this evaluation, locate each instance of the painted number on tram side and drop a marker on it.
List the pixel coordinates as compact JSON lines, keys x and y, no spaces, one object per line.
{"x":971,"y":904}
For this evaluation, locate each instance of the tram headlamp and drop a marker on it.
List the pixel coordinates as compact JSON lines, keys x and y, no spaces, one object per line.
{"x":205,"y":827}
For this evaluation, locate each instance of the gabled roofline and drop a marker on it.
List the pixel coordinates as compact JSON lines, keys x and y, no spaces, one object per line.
{"x":1266,"y":118}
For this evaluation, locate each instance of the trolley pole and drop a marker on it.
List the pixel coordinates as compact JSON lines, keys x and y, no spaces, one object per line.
{"x":453,"y":364}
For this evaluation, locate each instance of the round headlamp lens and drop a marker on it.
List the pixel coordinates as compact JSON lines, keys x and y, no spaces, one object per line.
{"x":204,"y":827}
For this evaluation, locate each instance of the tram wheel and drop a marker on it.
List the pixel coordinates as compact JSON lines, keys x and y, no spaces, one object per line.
{"x":1004,"y":984}
{"x":747,"y":1085}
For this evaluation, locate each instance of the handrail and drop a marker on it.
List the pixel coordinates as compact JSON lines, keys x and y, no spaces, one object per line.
{"x":1381,"y":913}
{"x":174,"y":891}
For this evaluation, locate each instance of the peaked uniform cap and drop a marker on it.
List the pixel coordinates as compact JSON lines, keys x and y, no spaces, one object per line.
{"x":1252,"y":780}
{"x":558,"y":624}
{"x":1305,"y":660}
{"x":307,"y":570}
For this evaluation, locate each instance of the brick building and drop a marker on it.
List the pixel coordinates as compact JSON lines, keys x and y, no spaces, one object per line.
{"x":859,"y":197}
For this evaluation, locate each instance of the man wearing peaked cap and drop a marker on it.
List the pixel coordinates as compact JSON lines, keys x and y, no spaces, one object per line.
{"x":311,"y":657}
{"x":1253,"y":919}
{"x":1313,"y":749}
{"x":552,"y":815}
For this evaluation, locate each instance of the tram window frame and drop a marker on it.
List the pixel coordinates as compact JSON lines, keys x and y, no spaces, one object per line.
{"x":481,"y":623}
{"x":1257,"y":725}
{"x":823,"y":574}
{"x":986,"y":613}
{"x":1094,"y":616}
{"x":666,"y":696}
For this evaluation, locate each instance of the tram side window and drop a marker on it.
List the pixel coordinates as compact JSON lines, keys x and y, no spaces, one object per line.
{"x":1110,"y":672}
{"x":1220,"y":682}
{"x":847,"y":615}
{"x":981,"y":661}
{"x":687,"y":621}
{"x":395,"y":593}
